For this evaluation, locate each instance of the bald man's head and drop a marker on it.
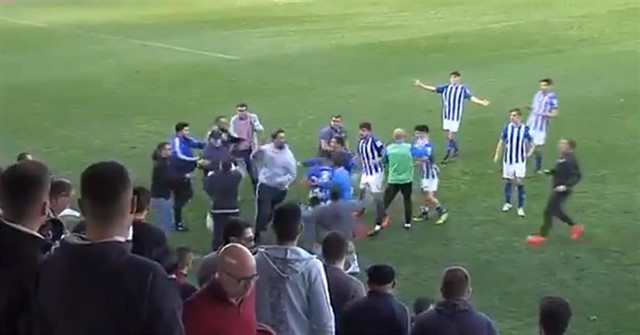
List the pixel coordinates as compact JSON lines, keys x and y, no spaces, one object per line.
{"x":236,"y":270}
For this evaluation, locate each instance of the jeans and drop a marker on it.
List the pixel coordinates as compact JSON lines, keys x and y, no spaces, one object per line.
{"x":268,"y":197}
{"x":162,"y":210}
{"x":243,"y":158}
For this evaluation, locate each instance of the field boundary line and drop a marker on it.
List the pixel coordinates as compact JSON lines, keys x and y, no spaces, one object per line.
{"x":124,"y":39}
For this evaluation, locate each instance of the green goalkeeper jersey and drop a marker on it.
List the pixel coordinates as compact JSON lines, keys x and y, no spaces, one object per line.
{"x":400,"y":163}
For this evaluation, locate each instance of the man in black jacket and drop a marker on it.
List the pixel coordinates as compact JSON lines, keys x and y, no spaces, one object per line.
{"x":24,"y":190}
{"x":222,"y":187}
{"x":93,"y":284}
{"x":379,"y":313}
{"x":148,"y":240}
{"x":343,"y":288}
{"x":565,"y":176}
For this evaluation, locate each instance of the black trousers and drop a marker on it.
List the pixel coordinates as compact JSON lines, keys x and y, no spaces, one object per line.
{"x":267,"y":198}
{"x":182,"y":194}
{"x":220,"y":221}
{"x":554,"y":208}
{"x":390,"y":193}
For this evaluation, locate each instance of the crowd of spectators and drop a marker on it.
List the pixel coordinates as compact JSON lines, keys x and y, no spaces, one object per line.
{"x":105,"y":269}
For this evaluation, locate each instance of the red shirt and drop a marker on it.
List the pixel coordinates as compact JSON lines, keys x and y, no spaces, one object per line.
{"x":209,"y":312}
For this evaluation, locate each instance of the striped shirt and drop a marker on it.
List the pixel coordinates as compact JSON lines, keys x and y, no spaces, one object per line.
{"x":371,"y":151}
{"x":453,"y":97}
{"x":541,"y":107}
{"x":422,"y":149}
{"x":516,"y":139}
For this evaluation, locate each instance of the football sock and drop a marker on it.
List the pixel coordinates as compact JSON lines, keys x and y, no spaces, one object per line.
{"x":380,"y":211}
{"x":538,"y":161}
{"x":454,"y":145}
{"x":507,"y":192}
{"x":520,"y":196}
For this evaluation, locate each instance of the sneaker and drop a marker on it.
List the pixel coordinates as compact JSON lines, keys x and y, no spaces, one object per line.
{"x":536,"y":239}
{"x":375,"y":231}
{"x":506,"y":207}
{"x":181,"y":228}
{"x":421,"y":217}
{"x":576,"y":231}
{"x":443,"y":218}
{"x":521,"y":212}
{"x":407,"y":226}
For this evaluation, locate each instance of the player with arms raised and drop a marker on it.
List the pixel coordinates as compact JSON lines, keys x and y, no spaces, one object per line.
{"x":543,"y":107}
{"x":453,"y":96}
{"x":422,"y":150}
{"x":517,"y":144}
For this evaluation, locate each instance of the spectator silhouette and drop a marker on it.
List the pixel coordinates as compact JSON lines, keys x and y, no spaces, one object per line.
{"x":379,"y":313}
{"x":93,"y":284}
{"x":24,"y":190}
{"x":454,"y":314}
{"x":292,"y":292}
{"x":24,"y":156}
{"x":148,"y":240}
{"x":179,"y":270}
{"x":60,"y":197}
{"x":555,"y":315}
{"x":421,"y":305}
{"x":343,"y":288}
{"x":236,"y":231}
{"x":226,"y":305}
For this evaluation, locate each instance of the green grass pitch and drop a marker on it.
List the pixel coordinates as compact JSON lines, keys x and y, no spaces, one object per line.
{"x":84,"y":81}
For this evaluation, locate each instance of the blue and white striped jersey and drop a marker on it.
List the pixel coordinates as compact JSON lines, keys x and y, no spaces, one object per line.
{"x":516,"y":138}
{"x":453,"y":97}
{"x":423,"y":149}
{"x":370,"y":152}
{"x":542,"y":105}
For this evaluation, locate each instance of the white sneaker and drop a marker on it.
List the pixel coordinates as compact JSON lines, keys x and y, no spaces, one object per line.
{"x":521,"y":212}
{"x":506,"y":207}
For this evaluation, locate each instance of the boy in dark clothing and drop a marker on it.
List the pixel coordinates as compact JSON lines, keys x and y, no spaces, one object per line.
{"x":24,"y":190}
{"x":148,"y":240}
{"x":454,"y":315}
{"x":565,"y":176}
{"x":222,"y":187}
{"x":379,"y":313}
{"x":93,"y":284}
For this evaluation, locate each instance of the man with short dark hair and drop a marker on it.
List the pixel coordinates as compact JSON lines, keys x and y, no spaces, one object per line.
{"x":148,"y":240}
{"x":555,"y":315}
{"x":380,"y":312}
{"x":93,"y":284}
{"x":184,"y":162}
{"x":60,"y":196}
{"x":222,"y":186}
{"x":179,"y":270}
{"x":277,"y":171}
{"x":235,"y":231}
{"x":24,"y":190}
{"x":454,"y":314}
{"x":335,"y":128}
{"x":246,"y":126}
{"x":343,"y":288}
{"x":292,"y":292}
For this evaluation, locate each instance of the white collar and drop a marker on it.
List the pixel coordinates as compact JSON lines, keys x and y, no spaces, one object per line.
{"x":23,"y":229}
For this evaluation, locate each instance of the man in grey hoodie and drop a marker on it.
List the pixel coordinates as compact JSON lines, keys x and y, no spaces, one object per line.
{"x":292,"y":294}
{"x":277,"y":171}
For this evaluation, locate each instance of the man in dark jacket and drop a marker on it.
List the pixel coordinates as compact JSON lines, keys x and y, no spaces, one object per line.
{"x":218,"y":147}
{"x":148,"y":240}
{"x":24,"y":190}
{"x":222,"y":187}
{"x":454,"y":314}
{"x":343,"y":288}
{"x":94,"y":284}
{"x":379,"y":313}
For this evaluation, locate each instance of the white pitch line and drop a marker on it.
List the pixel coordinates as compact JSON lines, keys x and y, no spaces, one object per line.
{"x":125,"y":39}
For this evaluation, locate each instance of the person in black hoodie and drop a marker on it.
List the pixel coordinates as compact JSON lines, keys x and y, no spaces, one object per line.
{"x":454,"y":315}
{"x":163,"y":179}
{"x":24,"y":190}
{"x":222,"y":187}
{"x":148,"y":240}
{"x":93,"y":284}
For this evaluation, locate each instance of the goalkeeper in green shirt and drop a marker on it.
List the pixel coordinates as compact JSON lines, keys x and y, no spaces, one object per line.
{"x":400,"y":165}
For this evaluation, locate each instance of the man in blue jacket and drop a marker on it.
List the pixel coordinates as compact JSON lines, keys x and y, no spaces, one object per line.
{"x":184,"y":162}
{"x":454,"y":315}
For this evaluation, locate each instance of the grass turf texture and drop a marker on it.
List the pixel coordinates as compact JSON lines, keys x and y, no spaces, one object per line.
{"x":72,"y":96}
